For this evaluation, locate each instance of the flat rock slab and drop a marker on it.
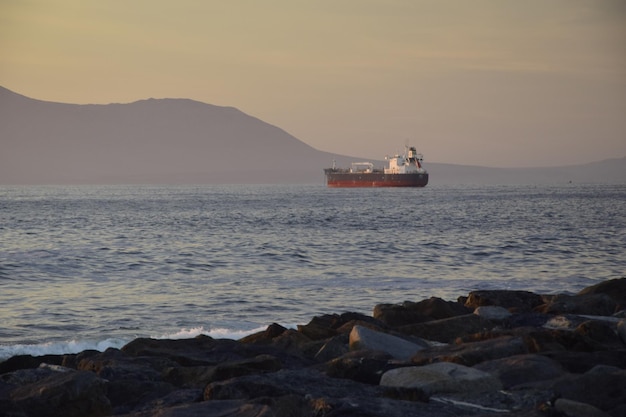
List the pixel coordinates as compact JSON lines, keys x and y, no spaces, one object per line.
{"x":441,"y":377}
{"x":470,"y":354}
{"x":362,"y":338}
{"x":447,"y":330}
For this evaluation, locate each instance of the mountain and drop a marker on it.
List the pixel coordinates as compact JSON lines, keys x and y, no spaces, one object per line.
{"x":170,"y":141}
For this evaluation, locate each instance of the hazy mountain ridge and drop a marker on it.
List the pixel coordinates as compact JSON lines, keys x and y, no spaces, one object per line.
{"x":161,"y":141}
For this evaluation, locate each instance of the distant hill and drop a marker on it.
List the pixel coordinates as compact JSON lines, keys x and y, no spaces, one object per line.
{"x":176,"y":141}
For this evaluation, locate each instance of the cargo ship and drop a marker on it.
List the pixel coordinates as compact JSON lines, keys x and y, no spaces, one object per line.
{"x":401,"y":171}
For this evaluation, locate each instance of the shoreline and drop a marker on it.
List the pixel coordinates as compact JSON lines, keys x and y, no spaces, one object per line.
{"x":488,"y":353}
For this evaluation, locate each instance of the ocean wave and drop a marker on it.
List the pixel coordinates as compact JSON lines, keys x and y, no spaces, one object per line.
{"x":77,"y":346}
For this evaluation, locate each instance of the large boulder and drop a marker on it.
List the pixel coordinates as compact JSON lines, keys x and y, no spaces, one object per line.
{"x":470,"y":354}
{"x":57,"y":391}
{"x":581,"y":362}
{"x":519,"y":369}
{"x":361,"y":366}
{"x":514,"y":301}
{"x":597,"y":304}
{"x":621,"y":330}
{"x":448,"y":330}
{"x":362,"y":338}
{"x":434,"y":308}
{"x":441,"y":377}
{"x":201,"y":350}
{"x":329,"y":325}
{"x":614,"y":288}
{"x":602,"y":387}
{"x":577,"y":409}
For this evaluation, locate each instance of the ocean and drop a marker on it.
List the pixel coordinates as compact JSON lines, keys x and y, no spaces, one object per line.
{"x":92,"y":267}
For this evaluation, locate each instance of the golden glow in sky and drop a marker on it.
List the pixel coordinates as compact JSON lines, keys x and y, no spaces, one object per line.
{"x":481,"y":82}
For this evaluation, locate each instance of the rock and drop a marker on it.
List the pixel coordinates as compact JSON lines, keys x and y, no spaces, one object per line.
{"x":519,"y":369}
{"x":395,"y":315}
{"x":577,"y":409}
{"x":434,"y":308}
{"x":621,"y":330}
{"x":131,"y":381}
{"x":361,"y":366}
{"x":324,"y":396}
{"x":329,"y":325}
{"x":61,"y":393}
{"x":525,"y":320}
{"x":447,"y":330}
{"x":201,"y":350}
{"x":514,"y":301}
{"x":266,"y":336}
{"x":493,"y":313}
{"x":581,"y":362}
{"x":544,"y":340}
{"x":591,"y":304}
{"x":362,"y":338}
{"x":602,"y":387}
{"x":259,"y":364}
{"x":333,"y":348}
{"x":442,"y":377}
{"x":470,"y":354}
{"x":28,"y":362}
{"x":601,"y":334}
{"x":232,"y":408}
{"x":614,"y":288}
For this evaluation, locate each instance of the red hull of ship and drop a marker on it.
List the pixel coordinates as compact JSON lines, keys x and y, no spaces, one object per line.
{"x":344,"y":180}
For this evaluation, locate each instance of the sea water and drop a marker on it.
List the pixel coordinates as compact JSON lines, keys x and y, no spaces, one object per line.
{"x":97,"y":266}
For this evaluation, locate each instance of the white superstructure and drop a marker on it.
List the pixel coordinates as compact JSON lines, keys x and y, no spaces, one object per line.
{"x":410,"y":162}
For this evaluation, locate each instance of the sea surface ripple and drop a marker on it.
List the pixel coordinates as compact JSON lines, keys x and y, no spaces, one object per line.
{"x":106,"y":264}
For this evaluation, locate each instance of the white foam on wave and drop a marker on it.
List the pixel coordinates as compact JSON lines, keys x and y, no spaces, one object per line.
{"x":59,"y":348}
{"x":217,"y":333}
{"x":77,"y":346}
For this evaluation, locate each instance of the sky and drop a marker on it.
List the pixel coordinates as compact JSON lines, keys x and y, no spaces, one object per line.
{"x":501,"y":83}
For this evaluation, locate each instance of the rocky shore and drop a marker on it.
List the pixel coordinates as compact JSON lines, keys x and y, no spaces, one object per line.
{"x":495,"y":352}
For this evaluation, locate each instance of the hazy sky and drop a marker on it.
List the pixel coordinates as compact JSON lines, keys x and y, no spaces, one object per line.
{"x":479,"y":82}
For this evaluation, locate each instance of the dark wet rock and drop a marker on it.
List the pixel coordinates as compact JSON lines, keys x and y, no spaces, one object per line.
{"x":230,"y":408}
{"x":578,"y":409}
{"x":448,"y":330}
{"x":28,"y":362}
{"x":470,"y":354}
{"x":538,"y":339}
{"x":591,"y":304}
{"x":614,"y":288}
{"x":333,"y":348}
{"x":329,"y":325}
{"x":441,"y":377}
{"x":520,"y":369}
{"x":601,"y":334}
{"x":114,"y":364}
{"x":361,"y":366}
{"x":273,"y":330}
{"x":324,"y":396}
{"x":259,"y":364}
{"x":514,"y":301}
{"x":525,"y":320}
{"x":59,"y":392}
{"x":602,"y":387}
{"x":581,"y":362}
{"x":621,"y":330}
{"x":199,"y":376}
{"x":434,"y":308}
{"x":201,"y":350}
